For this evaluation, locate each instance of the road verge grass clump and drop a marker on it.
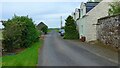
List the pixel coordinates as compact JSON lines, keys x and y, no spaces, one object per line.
{"x":28,"y":57}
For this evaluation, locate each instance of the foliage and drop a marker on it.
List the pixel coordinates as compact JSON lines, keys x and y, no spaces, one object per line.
{"x":28,"y":57}
{"x":115,"y":8}
{"x":19,"y":32}
{"x":70,"y":29}
{"x":42,"y":27}
{"x":62,"y":27}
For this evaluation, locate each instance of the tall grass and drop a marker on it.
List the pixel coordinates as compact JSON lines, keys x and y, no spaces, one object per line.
{"x":28,"y":57}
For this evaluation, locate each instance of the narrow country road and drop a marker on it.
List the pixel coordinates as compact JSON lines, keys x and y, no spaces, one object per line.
{"x":59,"y":52}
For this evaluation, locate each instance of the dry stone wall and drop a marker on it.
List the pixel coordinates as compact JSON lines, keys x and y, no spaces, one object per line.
{"x":108,"y":30}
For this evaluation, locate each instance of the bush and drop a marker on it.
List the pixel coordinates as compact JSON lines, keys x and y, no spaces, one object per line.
{"x":19,"y":32}
{"x":70,"y":29}
{"x":114,"y":8}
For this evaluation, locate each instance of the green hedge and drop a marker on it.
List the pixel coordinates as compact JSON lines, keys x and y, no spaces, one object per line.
{"x":19,"y":32}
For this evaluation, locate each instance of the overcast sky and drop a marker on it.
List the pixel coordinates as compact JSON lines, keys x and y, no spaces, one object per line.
{"x":39,"y":10}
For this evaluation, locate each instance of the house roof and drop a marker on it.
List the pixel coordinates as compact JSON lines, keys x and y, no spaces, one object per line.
{"x":41,"y":25}
{"x":90,"y":5}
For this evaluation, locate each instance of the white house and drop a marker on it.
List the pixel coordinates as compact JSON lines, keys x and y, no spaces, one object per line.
{"x":76,"y":16}
{"x":80,"y":12}
{"x":88,"y":21}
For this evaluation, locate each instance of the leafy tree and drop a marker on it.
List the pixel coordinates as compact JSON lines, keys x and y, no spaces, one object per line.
{"x":19,"y":32}
{"x":115,"y":8}
{"x":70,"y":29}
{"x":62,"y":27}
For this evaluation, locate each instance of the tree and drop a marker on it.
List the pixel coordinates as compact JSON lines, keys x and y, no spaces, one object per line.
{"x":114,"y":8}
{"x":70,"y":29}
{"x":63,"y":27}
{"x":19,"y":32}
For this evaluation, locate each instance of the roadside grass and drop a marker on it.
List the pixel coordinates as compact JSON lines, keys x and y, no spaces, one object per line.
{"x":49,"y":30}
{"x":57,"y":30}
{"x":28,"y":57}
{"x":0,"y":62}
{"x":0,"y":46}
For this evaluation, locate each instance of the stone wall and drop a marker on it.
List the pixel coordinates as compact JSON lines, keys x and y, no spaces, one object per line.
{"x":108,"y":30}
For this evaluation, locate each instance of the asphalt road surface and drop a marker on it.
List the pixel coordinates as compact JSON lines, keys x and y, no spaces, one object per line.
{"x":59,"y":52}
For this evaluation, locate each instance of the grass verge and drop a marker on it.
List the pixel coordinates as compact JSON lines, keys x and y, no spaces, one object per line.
{"x":28,"y":57}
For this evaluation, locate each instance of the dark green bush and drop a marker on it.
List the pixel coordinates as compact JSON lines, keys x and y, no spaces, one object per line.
{"x":70,"y":29}
{"x":114,"y":8}
{"x":19,"y":32}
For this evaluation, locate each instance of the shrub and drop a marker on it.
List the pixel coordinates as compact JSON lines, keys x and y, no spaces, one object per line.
{"x":19,"y":32}
{"x":114,"y":8}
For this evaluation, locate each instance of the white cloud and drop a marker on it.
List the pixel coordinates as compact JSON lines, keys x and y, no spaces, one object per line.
{"x":0,"y":10}
{"x":44,"y":0}
{"x":56,"y":15}
{"x":48,"y":12}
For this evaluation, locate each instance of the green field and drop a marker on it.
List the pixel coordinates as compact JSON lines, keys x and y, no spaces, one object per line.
{"x":50,"y":29}
{"x":28,"y":57}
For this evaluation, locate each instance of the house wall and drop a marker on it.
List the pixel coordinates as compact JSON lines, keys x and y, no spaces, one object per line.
{"x":108,"y":31}
{"x":89,"y":29}
{"x":82,"y":9}
{"x":76,"y":14}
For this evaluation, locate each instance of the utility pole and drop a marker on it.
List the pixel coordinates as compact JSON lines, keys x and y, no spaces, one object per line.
{"x":61,"y":21}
